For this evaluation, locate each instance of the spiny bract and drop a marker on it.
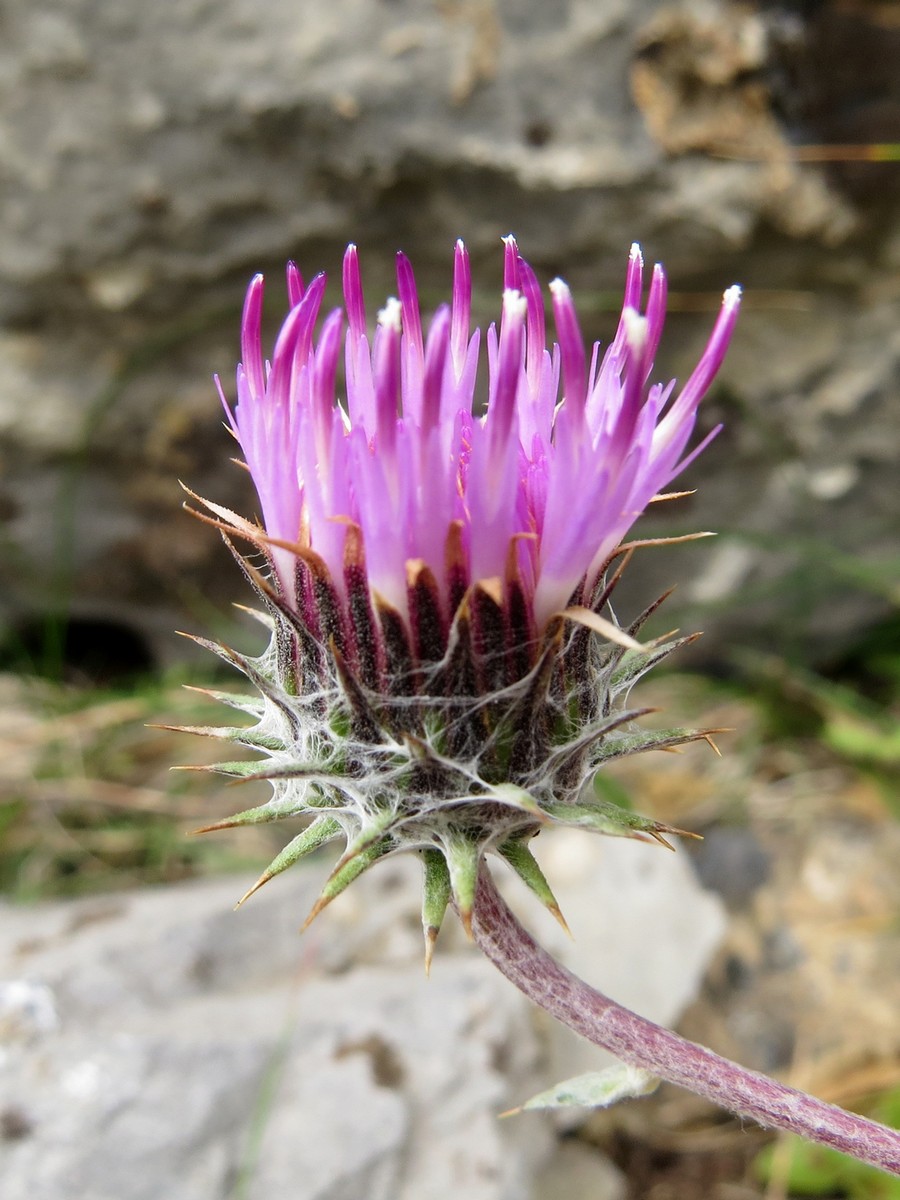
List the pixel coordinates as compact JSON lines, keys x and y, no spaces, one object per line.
{"x":444,"y":672}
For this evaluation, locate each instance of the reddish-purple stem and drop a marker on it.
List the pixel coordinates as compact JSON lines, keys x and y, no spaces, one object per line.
{"x":641,"y":1043}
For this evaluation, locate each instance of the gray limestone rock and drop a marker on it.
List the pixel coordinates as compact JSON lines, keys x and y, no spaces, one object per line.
{"x":158,"y":1044}
{"x":151,"y":159}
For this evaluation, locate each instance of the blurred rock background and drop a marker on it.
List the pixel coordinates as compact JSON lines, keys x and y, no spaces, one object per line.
{"x":153,"y":157}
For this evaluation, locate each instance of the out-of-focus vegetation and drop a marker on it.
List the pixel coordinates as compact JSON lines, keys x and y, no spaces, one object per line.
{"x":89,"y":799}
{"x":852,"y":713}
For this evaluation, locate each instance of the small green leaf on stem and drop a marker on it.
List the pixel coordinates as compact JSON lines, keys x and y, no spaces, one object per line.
{"x":595,"y":1089}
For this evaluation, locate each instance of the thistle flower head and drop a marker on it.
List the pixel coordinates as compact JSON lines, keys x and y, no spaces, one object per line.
{"x":441,"y":676}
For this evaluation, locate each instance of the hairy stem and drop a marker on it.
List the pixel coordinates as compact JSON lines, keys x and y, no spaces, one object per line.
{"x":641,"y":1043}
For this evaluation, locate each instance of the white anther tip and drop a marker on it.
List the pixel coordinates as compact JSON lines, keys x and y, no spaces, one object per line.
{"x":390,"y":315}
{"x":514,"y":303}
{"x":635,"y":329}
